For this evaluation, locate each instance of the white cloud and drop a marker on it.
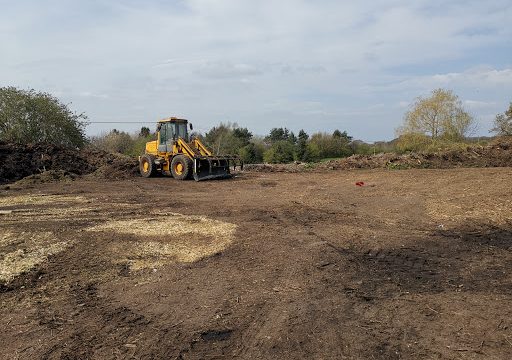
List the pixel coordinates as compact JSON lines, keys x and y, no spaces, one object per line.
{"x":88,"y":94}
{"x":482,"y":77}
{"x":224,"y":69}
{"x":476,"y":104}
{"x":326,"y":64}
{"x":486,"y":77}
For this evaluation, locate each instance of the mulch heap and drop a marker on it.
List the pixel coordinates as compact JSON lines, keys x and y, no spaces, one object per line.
{"x":497,"y":154}
{"x":43,"y":162}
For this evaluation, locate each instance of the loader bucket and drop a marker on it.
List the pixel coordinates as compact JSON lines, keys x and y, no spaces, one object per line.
{"x":211,"y":167}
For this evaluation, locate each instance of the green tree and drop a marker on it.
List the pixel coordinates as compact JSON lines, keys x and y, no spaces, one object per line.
{"x":227,"y":138}
{"x":243,"y":135}
{"x":277,"y":134}
{"x":144,"y":132}
{"x":302,"y":146}
{"x":215,"y":138}
{"x":503,"y":122}
{"x":440,"y":115}
{"x":252,"y":153}
{"x":280,"y":152}
{"x":342,"y":135}
{"x":292,"y":138}
{"x":28,"y":116}
{"x":322,"y":145}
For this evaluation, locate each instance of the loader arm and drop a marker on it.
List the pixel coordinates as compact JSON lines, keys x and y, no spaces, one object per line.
{"x":205,"y":164}
{"x":185,"y":148}
{"x":201,"y":147}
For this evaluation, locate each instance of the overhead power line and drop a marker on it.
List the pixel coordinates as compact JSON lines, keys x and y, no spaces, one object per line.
{"x":120,"y":122}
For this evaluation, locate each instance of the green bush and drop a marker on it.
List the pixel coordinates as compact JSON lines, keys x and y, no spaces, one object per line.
{"x":139,"y":145}
{"x":423,"y":143}
{"x":413,"y":142}
{"x":313,"y":152}
{"x":364,"y":149}
{"x":115,"y":142}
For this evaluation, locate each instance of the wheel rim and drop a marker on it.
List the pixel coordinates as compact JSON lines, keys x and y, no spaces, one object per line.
{"x":178,"y":168}
{"x":145,"y":166}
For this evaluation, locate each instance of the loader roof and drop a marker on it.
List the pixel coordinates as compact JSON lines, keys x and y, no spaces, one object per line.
{"x":172,"y":119}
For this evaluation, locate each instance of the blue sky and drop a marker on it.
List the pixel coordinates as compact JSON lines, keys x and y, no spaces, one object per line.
{"x":316,"y":65}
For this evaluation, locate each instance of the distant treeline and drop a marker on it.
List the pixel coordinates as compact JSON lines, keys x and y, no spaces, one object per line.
{"x":280,"y":146}
{"x":432,"y":123}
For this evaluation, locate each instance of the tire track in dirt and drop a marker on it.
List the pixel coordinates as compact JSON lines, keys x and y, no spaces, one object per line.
{"x":438,"y":265}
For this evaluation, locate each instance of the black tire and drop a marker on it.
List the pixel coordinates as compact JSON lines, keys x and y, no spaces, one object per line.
{"x":147,"y":166}
{"x":181,"y":167}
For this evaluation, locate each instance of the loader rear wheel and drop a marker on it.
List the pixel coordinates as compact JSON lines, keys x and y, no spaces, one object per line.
{"x":181,"y":167}
{"x":147,"y":166}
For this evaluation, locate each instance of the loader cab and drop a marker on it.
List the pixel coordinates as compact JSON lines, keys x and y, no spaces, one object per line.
{"x":169,"y":130}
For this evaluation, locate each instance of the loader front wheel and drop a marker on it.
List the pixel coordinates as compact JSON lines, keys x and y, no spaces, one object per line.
{"x":147,"y":166}
{"x":181,"y":167}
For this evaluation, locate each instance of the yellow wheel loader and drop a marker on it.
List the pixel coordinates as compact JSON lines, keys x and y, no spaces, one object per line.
{"x":173,"y":153}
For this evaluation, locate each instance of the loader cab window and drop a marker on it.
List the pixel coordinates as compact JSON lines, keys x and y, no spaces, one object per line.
{"x":170,"y":131}
{"x":181,"y":131}
{"x":166,"y":133}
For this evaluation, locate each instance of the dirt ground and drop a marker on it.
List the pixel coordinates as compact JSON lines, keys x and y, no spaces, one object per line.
{"x":414,"y":264}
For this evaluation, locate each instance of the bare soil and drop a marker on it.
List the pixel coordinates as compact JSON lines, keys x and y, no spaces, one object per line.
{"x":414,"y":264}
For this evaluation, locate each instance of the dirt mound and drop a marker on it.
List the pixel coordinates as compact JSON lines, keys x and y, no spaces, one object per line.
{"x":110,"y":166}
{"x":46,"y":177}
{"x":47,"y":162}
{"x":19,"y":161}
{"x":496,"y":154}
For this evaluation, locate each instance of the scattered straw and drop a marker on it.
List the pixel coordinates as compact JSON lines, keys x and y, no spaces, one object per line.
{"x":66,"y":213}
{"x":39,"y":199}
{"x":31,"y":250}
{"x":169,"y":238}
{"x":170,"y":224}
{"x":495,"y":210}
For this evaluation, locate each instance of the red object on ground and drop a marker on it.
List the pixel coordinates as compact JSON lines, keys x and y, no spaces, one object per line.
{"x":360,"y":183}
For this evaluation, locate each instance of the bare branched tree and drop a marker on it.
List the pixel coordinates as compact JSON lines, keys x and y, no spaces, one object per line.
{"x":503,"y":122}
{"x":440,"y":115}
